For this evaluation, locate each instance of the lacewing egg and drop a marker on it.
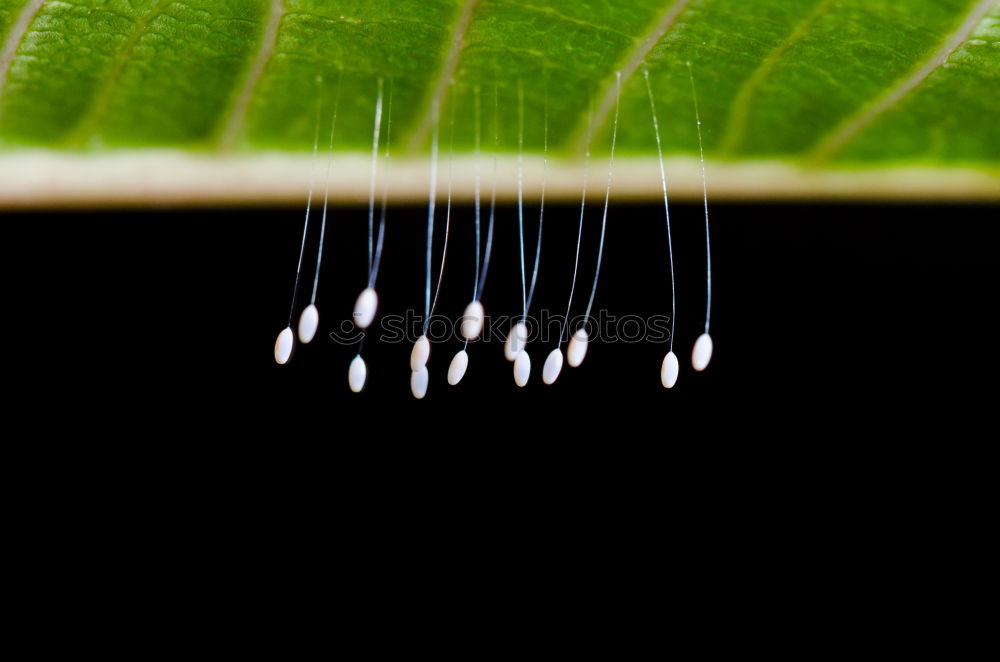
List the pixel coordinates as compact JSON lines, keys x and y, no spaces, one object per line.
{"x":418,"y":383}
{"x":357,"y":374}
{"x":365,"y":307}
{"x":458,"y":366}
{"x":522,"y":368}
{"x":669,"y":370}
{"x":472,"y":320}
{"x":516,"y":341}
{"x":421,"y":352}
{"x":283,"y":345}
{"x":553,"y":366}
{"x":702,"y":352}
{"x":577,"y":348}
{"x":308,"y":323}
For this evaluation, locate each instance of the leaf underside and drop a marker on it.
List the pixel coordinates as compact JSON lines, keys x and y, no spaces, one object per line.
{"x":822,"y":84}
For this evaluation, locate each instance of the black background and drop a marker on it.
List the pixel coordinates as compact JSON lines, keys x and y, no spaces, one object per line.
{"x":824,"y":315}
{"x":853,"y":382}
{"x":852,"y":387}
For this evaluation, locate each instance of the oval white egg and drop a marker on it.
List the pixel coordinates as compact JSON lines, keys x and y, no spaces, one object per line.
{"x":522,"y":368}
{"x":553,"y":366}
{"x":418,"y":383}
{"x":669,"y":370}
{"x":308,"y":323}
{"x":458,"y":366}
{"x":702,"y":352}
{"x":365,"y":308}
{"x":357,"y":374}
{"x":283,"y":345}
{"x":472,"y":320}
{"x":577,"y":349}
{"x":516,"y":340}
{"x":420,"y":353}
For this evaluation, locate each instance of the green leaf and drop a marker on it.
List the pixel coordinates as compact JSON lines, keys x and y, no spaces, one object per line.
{"x":797,"y":97}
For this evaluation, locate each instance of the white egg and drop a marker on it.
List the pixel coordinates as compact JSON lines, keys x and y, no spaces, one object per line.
{"x":522,"y":368}
{"x":577,"y":349}
{"x":283,"y":345}
{"x":472,"y":320}
{"x":458,"y":366}
{"x":308,"y":323}
{"x":553,"y":366}
{"x":702,"y":352}
{"x":516,"y":341}
{"x":357,"y":374}
{"x":669,"y":370}
{"x":418,"y":383}
{"x":421,"y":352}
{"x":365,"y":307}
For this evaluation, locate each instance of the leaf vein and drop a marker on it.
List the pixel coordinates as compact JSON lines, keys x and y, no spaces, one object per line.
{"x":237,"y":115}
{"x":89,"y":119}
{"x":828,"y":146}
{"x":550,"y":11}
{"x":631,"y":63}
{"x":740,"y":108}
{"x":13,"y":41}
{"x":440,"y":88}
